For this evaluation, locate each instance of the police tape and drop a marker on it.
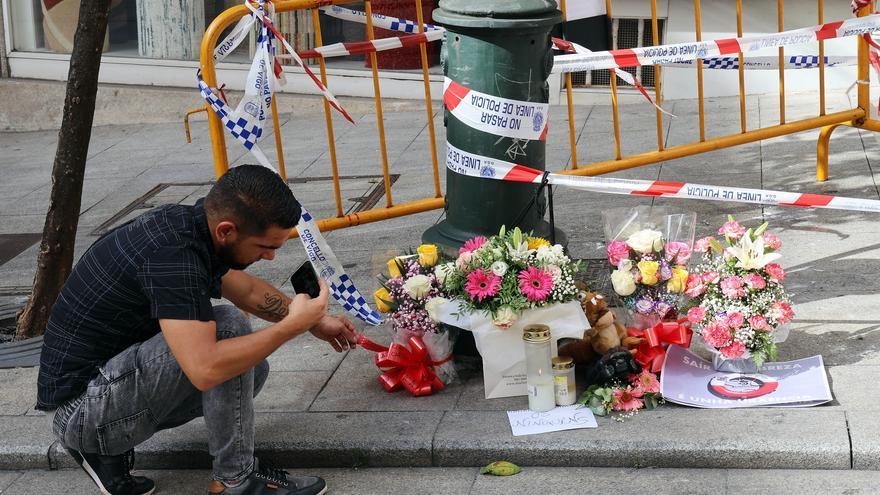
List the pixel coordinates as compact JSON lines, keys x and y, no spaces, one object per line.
{"x":769,"y":63}
{"x":683,"y":52}
{"x":245,"y":123}
{"x":474,"y":165}
{"x":499,"y":116}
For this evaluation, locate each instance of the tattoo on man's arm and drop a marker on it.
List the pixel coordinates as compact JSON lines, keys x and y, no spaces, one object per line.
{"x":273,"y":308}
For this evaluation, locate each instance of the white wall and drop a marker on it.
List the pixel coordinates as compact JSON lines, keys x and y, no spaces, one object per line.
{"x":759,"y":16}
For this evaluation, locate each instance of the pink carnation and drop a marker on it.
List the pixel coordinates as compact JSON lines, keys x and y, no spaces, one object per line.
{"x":734,"y":350}
{"x":732,"y":287}
{"x":677,"y":252}
{"x":627,"y":399}
{"x":696,"y":314}
{"x":755,"y":281}
{"x":703,"y":245}
{"x":732,"y":230}
{"x":758,"y":322}
{"x":617,"y":251}
{"x":781,"y":312}
{"x":711,"y":277}
{"x":695,"y":286}
{"x":473,"y":244}
{"x":771,"y":241}
{"x":775,"y":272}
{"x":735,"y":320}
{"x":716,"y":334}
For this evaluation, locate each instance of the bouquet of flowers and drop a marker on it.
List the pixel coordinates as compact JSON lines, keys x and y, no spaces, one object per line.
{"x":507,"y":274}
{"x":640,"y":391}
{"x":741,"y":306}
{"x":649,"y":250}
{"x":410,"y":296}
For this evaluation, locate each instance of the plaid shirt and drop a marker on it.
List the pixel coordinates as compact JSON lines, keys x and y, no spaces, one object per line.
{"x":160,"y":265}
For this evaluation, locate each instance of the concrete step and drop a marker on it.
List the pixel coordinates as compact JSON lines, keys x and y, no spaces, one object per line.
{"x":670,"y":437}
{"x":467,"y":480}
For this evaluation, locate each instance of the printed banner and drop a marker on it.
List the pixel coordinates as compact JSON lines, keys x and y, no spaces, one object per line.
{"x":690,"y":380}
{"x":475,"y":165}
{"x":495,"y":115}
{"x":683,"y":52}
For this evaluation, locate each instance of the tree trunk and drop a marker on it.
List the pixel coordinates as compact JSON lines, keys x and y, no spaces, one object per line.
{"x":55,"y":259}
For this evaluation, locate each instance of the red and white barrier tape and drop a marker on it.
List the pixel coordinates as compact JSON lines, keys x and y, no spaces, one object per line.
{"x":495,"y":115}
{"x":682,"y":52}
{"x":474,"y":165}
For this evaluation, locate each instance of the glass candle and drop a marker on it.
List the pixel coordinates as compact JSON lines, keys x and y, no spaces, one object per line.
{"x":539,"y":375}
{"x":563,"y":379}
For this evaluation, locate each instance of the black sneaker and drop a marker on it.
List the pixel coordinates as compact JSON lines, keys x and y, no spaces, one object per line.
{"x":266,"y":480}
{"x":112,"y":473}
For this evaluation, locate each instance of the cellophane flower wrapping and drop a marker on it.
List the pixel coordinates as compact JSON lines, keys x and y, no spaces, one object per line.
{"x":741,"y":309}
{"x":648,"y":250}
{"x":409,"y":296}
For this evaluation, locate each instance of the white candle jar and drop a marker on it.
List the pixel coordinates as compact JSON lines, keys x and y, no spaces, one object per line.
{"x":539,"y":374}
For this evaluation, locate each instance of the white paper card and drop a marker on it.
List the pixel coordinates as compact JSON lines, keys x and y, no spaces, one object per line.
{"x":528,"y":422}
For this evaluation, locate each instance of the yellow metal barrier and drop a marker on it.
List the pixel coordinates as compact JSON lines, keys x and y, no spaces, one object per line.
{"x":857,"y":117}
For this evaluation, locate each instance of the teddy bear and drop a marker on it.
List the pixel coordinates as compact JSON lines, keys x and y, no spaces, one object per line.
{"x":605,"y":349}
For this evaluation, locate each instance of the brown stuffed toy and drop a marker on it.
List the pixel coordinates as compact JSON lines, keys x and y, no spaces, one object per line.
{"x":605,"y":335}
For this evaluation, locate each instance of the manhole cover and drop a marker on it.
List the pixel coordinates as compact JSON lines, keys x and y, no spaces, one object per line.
{"x":362,"y":192}
{"x":11,"y":245}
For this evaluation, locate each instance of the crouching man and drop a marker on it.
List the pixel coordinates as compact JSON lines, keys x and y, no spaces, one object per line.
{"x":134,"y":345}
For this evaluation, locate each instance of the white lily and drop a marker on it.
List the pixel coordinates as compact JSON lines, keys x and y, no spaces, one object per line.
{"x":750,"y":254}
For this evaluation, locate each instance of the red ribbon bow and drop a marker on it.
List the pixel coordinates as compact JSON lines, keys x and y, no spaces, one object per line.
{"x":408,"y":367}
{"x":652,"y":352}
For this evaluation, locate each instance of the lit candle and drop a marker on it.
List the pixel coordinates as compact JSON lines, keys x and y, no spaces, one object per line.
{"x":539,"y":378}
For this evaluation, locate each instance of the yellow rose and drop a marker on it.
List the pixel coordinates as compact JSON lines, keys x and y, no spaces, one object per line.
{"x":536,"y":242}
{"x":382,"y":298}
{"x":648,"y":269}
{"x":427,"y":255}
{"x":393,"y":268}
{"x":678,"y":282}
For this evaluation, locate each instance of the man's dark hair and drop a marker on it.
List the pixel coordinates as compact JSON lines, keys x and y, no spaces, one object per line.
{"x":255,"y":198}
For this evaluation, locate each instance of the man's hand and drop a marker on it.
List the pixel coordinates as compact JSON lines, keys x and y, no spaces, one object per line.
{"x":304,"y":312}
{"x":336,"y":330}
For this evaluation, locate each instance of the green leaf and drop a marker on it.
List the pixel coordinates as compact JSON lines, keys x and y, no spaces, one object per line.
{"x":730,"y":218}
{"x":716,"y":246}
{"x":599,"y":411}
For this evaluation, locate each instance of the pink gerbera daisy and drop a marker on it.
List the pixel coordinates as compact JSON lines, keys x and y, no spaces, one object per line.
{"x":647,"y":382}
{"x":473,"y":244}
{"x":481,"y":285}
{"x":535,"y":283}
{"x":627,"y":399}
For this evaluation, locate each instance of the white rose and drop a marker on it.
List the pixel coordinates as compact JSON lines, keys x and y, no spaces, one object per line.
{"x":417,"y":286}
{"x":442,"y":272}
{"x":646,"y":241}
{"x":623,"y":282}
{"x":432,"y":305}
{"x":504,"y":317}
{"x":499,"y":268}
{"x":625,"y":265}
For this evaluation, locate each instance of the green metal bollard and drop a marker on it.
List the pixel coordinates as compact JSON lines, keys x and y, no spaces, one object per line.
{"x":501,"y":48}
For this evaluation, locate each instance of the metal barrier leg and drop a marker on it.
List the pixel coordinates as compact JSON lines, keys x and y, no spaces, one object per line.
{"x":822,"y":152}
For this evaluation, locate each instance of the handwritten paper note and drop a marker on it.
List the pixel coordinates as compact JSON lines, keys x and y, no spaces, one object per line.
{"x":528,"y":422}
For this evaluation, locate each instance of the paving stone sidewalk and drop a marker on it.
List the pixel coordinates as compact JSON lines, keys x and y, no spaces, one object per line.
{"x":323,"y":409}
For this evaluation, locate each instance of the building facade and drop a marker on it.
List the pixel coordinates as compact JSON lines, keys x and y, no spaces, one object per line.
{"x":156,"y":42}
